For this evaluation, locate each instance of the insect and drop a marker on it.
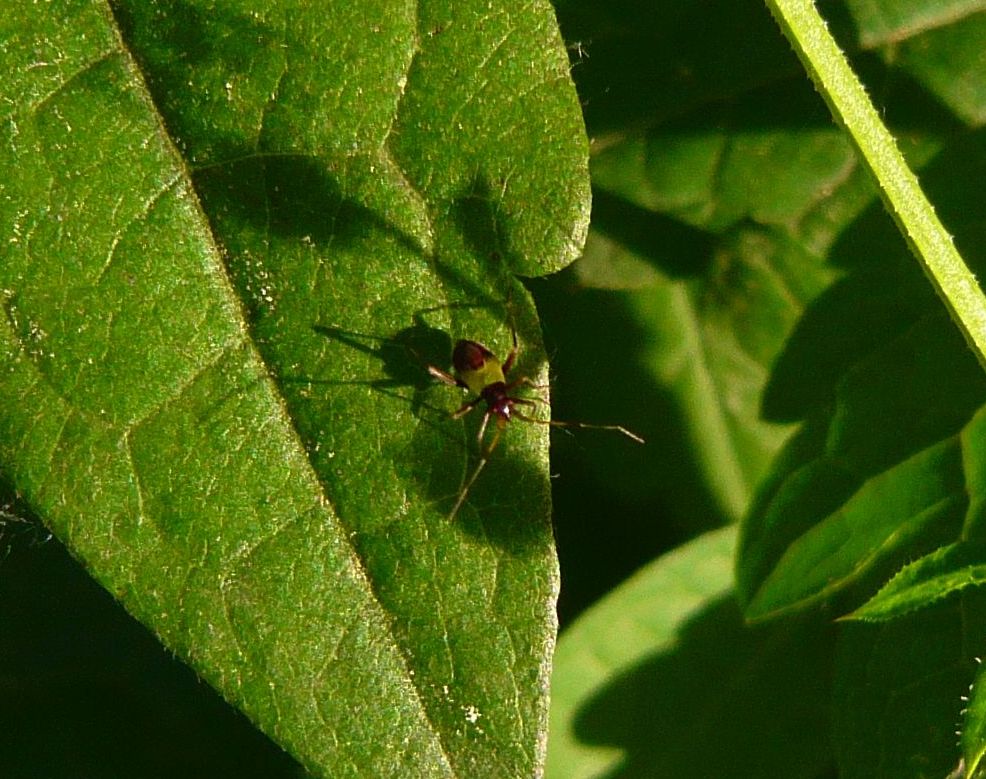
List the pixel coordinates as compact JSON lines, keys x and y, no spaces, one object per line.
{"x":479,"y":371}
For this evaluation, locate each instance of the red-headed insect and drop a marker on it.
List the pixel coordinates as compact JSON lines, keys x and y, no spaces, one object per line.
{"x":479,"y":371}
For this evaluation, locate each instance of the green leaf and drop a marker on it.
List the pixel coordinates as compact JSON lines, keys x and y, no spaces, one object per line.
{"x":236,"y":238}
{"x":973,"y":738}
{"x":915,"y":503}
{"x":953,"y":567}
{"x":713,"y":207}
{"x":646,"y":677}
{"x":889,"y":21}
{"x":925,"y":581}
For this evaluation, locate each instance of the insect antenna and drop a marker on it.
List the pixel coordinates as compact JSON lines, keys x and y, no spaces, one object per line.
{"x":583,"y":425}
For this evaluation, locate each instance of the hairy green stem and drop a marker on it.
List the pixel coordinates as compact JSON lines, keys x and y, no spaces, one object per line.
{"x":899,"y":187}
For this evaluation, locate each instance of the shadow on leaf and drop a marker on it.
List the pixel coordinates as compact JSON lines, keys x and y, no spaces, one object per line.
{"x":694,"y":706}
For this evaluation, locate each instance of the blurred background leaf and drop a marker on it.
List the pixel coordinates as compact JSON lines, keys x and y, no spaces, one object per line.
{"x":718,"y":187}
{"x":747,"y":280}
{"x":662,"y":668}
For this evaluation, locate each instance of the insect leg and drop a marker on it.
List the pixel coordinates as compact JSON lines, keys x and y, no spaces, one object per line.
{"x":484,"y":457}
{"x":445,"y":377}
{"x":509,"y":362}
{"x":526,"y":381}
{"x":468,"y":406}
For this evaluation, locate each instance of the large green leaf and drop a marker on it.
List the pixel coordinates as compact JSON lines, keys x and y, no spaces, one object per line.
{"x":236,"y":236}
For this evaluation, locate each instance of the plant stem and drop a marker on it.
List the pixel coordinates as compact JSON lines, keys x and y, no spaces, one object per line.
{"x":902,"y":194}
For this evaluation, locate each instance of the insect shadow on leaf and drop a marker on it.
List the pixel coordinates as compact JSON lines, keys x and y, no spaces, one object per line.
{"x":402,"y":355}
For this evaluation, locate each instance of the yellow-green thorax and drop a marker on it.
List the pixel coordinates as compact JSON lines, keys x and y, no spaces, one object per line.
{"x":476,"y":366}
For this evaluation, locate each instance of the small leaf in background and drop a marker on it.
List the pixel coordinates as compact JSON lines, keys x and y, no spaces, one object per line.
{"x":953,"y":567}
{"x":926,"y":581}
{"x":917,"y":504}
